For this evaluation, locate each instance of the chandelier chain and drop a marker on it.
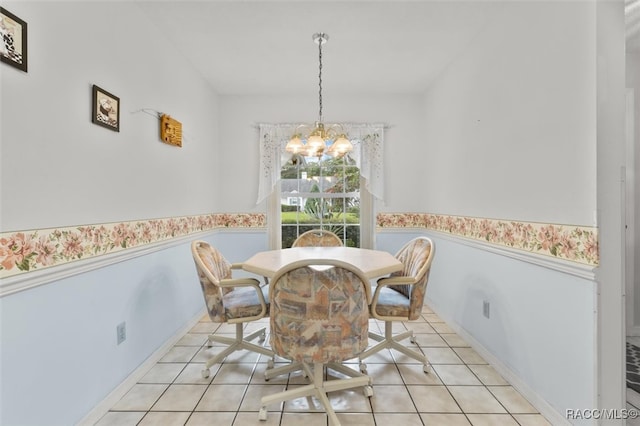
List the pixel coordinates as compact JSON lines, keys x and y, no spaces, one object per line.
{"x":319,"y":141}
{"x":320,"y":79}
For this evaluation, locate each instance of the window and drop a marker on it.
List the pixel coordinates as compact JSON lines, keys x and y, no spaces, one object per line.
{"x":327,"y":196}
{"x":335,"y":193}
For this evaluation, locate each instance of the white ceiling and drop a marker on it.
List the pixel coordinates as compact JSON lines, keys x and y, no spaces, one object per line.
{"x":266,"y":47}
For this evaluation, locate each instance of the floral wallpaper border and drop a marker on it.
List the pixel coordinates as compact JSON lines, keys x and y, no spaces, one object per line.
{"x":26,"y":251}
{"x":573,"y":243}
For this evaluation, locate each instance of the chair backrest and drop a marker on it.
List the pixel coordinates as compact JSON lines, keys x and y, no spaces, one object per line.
{"x":319,"y":315}
{"x":416,"y":256}
{"x":212,"y":267}
{"x":317,"y":238}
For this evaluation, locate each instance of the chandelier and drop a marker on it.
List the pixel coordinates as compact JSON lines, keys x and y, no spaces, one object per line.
{"x":320,"y":137}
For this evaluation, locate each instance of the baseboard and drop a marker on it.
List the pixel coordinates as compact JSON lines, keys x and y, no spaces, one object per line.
{"x":550,"y":413}
{"x":103,"y":407}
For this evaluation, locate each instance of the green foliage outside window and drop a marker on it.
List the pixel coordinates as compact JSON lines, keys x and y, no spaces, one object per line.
{"x":340,"y":215}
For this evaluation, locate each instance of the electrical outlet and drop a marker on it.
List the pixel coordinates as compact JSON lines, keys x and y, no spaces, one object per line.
{"x":486,"y":309}
{"x":121,"y":331}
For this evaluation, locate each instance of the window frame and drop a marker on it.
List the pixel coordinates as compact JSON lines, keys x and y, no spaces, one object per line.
{"x":367,"y":215}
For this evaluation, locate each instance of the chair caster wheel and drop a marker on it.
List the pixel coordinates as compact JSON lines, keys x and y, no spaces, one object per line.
{"x":262,"y":414}
{"x":205,"y":373}
{"x":270,"y":364}
{"x":368,"y":391}
{"x":363,"y":368}
{"x":263,"y":336}
{"x":426,"y":368}
{"x":412,"y":339}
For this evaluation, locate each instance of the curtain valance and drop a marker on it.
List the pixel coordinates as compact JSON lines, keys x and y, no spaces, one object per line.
{"x":367,"y":140}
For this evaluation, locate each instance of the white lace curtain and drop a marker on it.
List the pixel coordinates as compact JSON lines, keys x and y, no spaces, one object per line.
{"x":367,"y":151}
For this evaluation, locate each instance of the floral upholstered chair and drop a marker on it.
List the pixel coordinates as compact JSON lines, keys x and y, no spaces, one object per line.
{"x":230,"y":300}
{"x":400,"y":297}
{"x":317,"y":238}
{"x":319,"y":318}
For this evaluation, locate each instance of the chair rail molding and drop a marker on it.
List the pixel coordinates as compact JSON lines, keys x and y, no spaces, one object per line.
{"x":35,"y":257}
{"x":31,"y":258}
{"x":570,"y":249}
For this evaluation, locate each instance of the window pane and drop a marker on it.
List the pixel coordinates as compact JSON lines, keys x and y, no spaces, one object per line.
{"x":321,"y":195}
{"x":352,"y":236}
{"x":352,"y":179}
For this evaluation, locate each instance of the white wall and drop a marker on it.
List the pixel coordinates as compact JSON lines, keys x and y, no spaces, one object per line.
{"x":546,"y":342}
{"x":239,"y":140}
{"x":58,"y":350}
{"x":510,"y":125}
{"x":633,"y":82}
{"x":511,"y":134}
{"x":59,"y":169}
{"x":611,"y":143}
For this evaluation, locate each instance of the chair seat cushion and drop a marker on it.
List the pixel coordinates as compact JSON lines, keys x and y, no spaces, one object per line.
{"x":392,"y":303}
{"x":244,"y":302}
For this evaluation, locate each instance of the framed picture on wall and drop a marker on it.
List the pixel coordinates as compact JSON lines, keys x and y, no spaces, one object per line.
{"x":13,"y":40}
{"x":106,"y":109}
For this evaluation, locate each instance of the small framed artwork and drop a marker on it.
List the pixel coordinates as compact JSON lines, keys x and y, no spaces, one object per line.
{"x":13,"y":40}
{"x":170,"y":130}
{"x":106,"y":109}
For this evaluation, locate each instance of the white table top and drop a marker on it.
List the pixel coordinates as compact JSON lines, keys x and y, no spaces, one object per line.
{"x":371,"y":263}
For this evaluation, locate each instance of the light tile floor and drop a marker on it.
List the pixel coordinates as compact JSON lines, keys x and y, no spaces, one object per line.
{"x":462,"y":388}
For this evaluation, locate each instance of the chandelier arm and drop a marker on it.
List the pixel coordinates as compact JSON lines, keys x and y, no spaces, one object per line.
{"x":333,"y":127}
{"x":301,"y":127}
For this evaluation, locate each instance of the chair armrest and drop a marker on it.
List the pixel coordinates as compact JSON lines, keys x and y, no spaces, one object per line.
{"x":239,"y":282}
{"x":247,"y":282}
{"x":399,"y":280}
{"x":387,"y":281}
{"x":384,"y":282}
{"x":239,"y":266}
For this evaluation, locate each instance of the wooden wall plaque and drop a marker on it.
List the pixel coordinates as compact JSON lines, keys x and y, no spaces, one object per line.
{"x":170,"y":130}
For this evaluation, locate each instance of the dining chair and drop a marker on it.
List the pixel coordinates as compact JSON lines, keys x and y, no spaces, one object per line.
{"x":400,"y":297}
{"x":230,"y":300}
{"x":317,"y":238}
{"x":319,"y":318}
{"x":312,"y":238}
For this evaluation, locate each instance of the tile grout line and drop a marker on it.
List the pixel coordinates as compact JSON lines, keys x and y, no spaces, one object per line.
{"x":395,"y":359}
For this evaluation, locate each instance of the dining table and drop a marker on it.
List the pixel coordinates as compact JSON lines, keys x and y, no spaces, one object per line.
{"x":370,"y":264}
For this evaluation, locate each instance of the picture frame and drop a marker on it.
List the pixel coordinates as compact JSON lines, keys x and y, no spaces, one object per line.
{"x":106,"y":109}
{"x":13,"y":40}
{"x":170,"y":130}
